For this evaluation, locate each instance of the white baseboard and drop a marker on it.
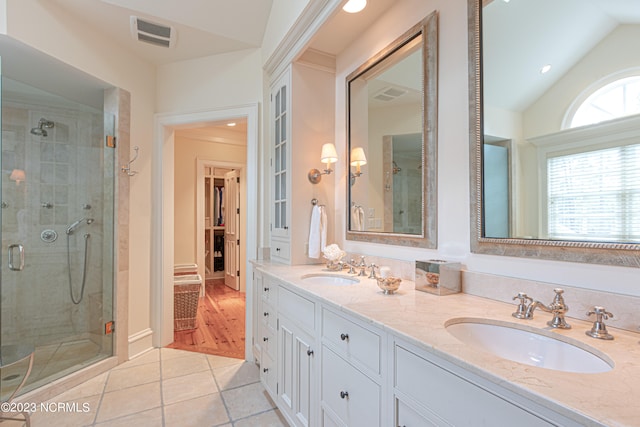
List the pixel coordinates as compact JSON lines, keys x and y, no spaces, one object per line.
{"x":140,"y":343}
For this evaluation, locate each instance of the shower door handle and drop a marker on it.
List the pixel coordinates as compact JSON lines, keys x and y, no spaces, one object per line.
{"x":20,"y":248}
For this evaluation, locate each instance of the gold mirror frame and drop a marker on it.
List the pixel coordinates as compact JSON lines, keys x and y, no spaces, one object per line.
{"x":428,"y":27}
{"x":619,"y":254}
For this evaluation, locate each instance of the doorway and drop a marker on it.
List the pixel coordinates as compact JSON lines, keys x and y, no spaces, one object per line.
{"x":167,"y":127}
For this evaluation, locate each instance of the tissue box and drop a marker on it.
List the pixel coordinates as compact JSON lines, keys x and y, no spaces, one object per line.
{"x":438,"y":277}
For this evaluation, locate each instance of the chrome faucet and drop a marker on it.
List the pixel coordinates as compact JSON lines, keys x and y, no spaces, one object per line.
{"x":362,"y":266}
{"x":350,"y":264}
{"x":599,"y":329}
{"x":372,"y":274}
{"x":523,"y":305}
{"x":558,"y":308}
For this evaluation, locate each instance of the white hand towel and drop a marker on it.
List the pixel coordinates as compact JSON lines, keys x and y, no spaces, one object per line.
{"x":357,"y":218}
{"x":317,"y":231}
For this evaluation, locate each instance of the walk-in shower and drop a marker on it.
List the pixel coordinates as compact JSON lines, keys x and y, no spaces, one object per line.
{"x":57,"y":280}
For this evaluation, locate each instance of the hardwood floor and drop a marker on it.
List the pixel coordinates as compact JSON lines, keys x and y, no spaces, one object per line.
{"x":220,"y":323}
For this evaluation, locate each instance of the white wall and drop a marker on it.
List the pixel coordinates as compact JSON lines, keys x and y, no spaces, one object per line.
{"x":453,"y":159}
{"x":51,"y":30}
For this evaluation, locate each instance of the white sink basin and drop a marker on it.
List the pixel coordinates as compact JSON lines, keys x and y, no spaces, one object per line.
{"x":514,"y":342}
{"x":329,"y":279}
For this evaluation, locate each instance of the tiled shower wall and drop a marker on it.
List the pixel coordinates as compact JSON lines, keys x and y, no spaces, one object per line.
{"x":64,"y":182}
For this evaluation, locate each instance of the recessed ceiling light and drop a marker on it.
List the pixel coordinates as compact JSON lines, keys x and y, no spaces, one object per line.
{"x":354,"y":6}
{"x":506,"y":1}
{"x":231,"y":124}
{"x":545,"y":69}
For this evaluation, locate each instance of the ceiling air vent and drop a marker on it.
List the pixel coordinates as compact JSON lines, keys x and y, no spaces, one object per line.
{"x":152,"y":33}
{"x":389,"y":93}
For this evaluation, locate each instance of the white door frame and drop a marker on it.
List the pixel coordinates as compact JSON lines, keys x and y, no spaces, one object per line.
{"x":162,"y":212}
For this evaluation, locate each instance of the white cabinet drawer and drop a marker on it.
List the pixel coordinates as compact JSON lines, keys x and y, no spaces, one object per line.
{"x":297,"y":308}
{"x":408,"y":417}
{"x":354,"y":342}
{"x":446,"y":394}
{"x":268,"y":341}
{"x":268,"y":315}
{"x":268,"y":374}
{"x":348,"y":393}
{"x":280,"y":250}
{"x":269,"y":290}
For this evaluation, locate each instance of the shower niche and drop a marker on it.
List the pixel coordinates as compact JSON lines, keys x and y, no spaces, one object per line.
{"x":57,"y":191}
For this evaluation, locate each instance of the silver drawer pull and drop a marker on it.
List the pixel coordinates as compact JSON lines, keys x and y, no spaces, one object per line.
{"x":20,"y":266}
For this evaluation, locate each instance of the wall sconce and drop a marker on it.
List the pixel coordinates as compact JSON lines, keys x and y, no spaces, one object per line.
{"x":357,"y":159}
{"x":17,"y":175}
{"x":328,"y":156}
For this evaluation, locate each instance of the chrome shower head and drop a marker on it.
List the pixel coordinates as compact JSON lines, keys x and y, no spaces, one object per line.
{"x":42,"y":125}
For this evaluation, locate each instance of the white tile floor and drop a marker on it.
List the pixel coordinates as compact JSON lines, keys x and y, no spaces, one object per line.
{"x":167,"y":387}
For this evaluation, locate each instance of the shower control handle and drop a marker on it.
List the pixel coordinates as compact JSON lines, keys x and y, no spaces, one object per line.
{"x":20,"y":248}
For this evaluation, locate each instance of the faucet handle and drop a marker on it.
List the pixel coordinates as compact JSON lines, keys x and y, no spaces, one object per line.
{"x":521,"y":311}
{"x":373,"y":267}
{"x":599,"y":329}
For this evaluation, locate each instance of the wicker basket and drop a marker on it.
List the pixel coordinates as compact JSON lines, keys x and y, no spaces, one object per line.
{"x":185,"y":304}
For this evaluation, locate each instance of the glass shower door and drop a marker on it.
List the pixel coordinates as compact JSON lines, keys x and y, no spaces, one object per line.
{"x":56,"y":270}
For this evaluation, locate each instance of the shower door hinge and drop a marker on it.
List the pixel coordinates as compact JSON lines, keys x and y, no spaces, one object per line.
{"x":109,"y":327}
{"x":111,"y":141}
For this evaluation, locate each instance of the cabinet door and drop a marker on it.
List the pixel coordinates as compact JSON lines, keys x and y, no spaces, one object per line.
{"x":280,"y":137}
{"x":296,"y":372}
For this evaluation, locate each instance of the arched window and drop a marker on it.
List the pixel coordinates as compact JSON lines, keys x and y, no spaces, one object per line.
{"x":617,"y":99}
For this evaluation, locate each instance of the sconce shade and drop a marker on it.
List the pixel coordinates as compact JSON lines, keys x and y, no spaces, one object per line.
{"x":357,"y":157}
{"x":329,"y":154}
{"x":17,"y":175}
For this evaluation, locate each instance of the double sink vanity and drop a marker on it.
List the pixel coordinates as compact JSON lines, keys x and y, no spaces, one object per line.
{"x":334,"y":350}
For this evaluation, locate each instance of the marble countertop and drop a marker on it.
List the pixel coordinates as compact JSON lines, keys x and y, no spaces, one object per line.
{"x":602,"y":399}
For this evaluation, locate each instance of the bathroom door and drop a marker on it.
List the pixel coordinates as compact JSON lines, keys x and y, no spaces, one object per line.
{"x":232,"y":230}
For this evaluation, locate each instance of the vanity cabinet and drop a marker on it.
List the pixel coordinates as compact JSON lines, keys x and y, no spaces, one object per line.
{"x":267,"y":319}
{"x":301,"y":120}
{"x":435,"y":392}
{"x":297,"y":383}
{"x":352,"y":371}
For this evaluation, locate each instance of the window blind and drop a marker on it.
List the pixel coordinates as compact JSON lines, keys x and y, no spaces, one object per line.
{"x":595,"y":195}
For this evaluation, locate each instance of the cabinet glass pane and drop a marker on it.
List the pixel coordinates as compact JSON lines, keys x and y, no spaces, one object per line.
{"x":283,"y":126}
{"x":277,"y":219}
{"x":277,"y":127}
{"x":277,"y":165}
{"x":278,"y":104}
{"x":284,"y":98}
{"x":283,"y":183}
{"x":283,"y":158}
{"x":283,"y":214}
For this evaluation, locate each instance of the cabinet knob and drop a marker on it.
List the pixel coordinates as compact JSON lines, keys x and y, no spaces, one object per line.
{"x":344,"y":337}
{"x":344,"y":394}
{"x":266,"y":289}
{"x":277,"y":249}
{"x":265,"y":314}
{"x":309,"y":352}
{"x":265,"y":339}
{"x":265,"y":370}
{"x":286,"y":227}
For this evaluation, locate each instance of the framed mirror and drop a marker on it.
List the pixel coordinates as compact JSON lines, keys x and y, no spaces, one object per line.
{"x":555,"y":130}
{"x":391,"y":130}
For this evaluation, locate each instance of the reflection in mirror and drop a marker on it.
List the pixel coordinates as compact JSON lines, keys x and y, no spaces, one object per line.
{"x":391,"y":130}
{"x":554,"y":140}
